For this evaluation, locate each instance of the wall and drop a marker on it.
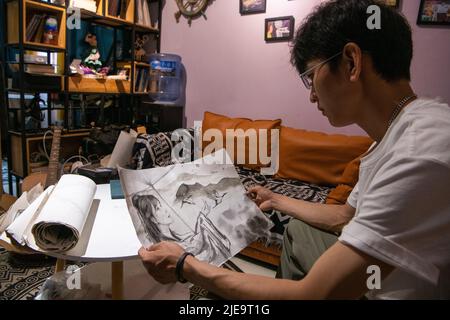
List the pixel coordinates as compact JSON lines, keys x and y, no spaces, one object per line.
{"x":231,"y":70}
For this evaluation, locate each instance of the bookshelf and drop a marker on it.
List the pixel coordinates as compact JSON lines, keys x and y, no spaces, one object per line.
{"x":33,"y":16}
{"x":69,"y":141}
{"x":141,"y":79}
{"x":67,"y":96}
{"x":123,"y":14}
{"x":122,"y":10}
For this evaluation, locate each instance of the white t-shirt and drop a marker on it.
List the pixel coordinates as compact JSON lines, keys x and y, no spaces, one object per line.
{"x":402,"y":202}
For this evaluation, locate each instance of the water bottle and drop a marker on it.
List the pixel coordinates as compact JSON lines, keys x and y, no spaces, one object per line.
{"x":165,"y":77}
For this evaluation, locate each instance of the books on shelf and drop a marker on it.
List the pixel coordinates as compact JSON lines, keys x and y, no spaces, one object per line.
{"x":31,"y":58}
{"x":89,"y":5}
{"x":58,"y":2}
{"x":143,"y":13}
{"x":154,"y":13}
{"x":40,"y":30}
{"x":33,"y":26}
{"x":117,"y":8}
{"x":117,"y":77}
{"x":35,"y":68}
{"x":141,"y":79}
{"x":40,"y":68}
{"x":35,"y":31}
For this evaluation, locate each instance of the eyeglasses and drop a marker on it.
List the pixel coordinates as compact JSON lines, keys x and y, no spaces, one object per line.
{"x":306,"y":76}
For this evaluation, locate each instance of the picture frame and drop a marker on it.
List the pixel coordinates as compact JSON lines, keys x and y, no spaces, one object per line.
{"x":279,"y":29}
{"x":432,"y":12}
{"x":252,"y":6}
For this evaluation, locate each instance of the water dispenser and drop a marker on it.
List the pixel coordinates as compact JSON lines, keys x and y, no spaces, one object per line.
{"x":166,"y":78}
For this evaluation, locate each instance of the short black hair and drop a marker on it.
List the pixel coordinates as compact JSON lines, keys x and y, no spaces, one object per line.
{"x":335,"y":23}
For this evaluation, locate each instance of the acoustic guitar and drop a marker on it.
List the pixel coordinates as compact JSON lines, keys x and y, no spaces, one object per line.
{"x":52,"y":175}
{"x":6,"y":200}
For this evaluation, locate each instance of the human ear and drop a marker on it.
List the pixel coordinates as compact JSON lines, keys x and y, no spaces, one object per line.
{"x":352,"y":56}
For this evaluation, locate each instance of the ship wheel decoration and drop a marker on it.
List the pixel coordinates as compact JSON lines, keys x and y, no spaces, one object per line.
{"x":190,"y":9}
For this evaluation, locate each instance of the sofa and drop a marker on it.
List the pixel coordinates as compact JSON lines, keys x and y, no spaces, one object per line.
{"x":313,"y":166}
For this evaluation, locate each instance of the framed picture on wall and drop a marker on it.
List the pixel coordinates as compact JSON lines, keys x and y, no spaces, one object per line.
{"x":434,"y":12}
{"x":252,"y":6}
{"x":279,"y":29}
{"x":392,"y":3}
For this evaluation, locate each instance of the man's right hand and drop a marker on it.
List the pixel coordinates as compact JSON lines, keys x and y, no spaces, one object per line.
{"x":263,"y":197}
{"x":160,"y":260}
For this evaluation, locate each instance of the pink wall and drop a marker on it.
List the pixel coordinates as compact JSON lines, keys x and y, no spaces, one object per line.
{"x":232,"y":71}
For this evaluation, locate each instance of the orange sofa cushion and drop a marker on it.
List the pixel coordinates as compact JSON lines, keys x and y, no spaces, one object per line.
{"x":348,"y":180}
{"x":222,"y":123}
{"x":317,"y":157}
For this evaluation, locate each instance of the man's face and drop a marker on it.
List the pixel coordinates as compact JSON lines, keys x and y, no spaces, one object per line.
{"x":334,"y":94}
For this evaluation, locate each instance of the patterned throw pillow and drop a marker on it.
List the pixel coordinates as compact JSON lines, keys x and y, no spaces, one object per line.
{"x":155,"y":150}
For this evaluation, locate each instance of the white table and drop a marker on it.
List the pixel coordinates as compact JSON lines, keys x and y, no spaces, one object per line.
{"x":111,"y":238}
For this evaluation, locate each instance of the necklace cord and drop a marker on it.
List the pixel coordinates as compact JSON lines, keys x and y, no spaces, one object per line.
{"x":399,"y":107}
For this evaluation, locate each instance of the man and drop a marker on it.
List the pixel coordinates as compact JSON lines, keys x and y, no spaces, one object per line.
{"x":397,"y":219}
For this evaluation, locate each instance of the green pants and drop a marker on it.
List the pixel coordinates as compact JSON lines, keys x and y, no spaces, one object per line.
{"x":302,"y":246}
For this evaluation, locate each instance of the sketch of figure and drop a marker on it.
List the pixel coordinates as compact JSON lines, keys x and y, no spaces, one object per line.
{"x":187,"y":200}
{"x":208,"y":242}
{"x":204,"y":208}
{"x":217,"y":197}
{"x":157,"y":219}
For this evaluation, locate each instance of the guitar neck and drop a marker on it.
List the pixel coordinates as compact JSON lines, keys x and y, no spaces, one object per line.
{"x":53,"y":164}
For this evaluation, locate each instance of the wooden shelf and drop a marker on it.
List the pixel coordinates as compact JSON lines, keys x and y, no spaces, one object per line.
{"x":142,"y":64}
{"x":33,"y":46}
{"x":69,"y":133}
{"x":119,"y":21}
{"x":40,"y":4}
{"x":53,"y":5}
{"x":87,"y":13}
{"x":78,"y":84}
{"x":127,"y":16}
{"x":111,"y":21}
{"x":99,"y":18}
{"x":43,"y":45}
{"x":143,"y":28}
{"x":30,"y":9}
